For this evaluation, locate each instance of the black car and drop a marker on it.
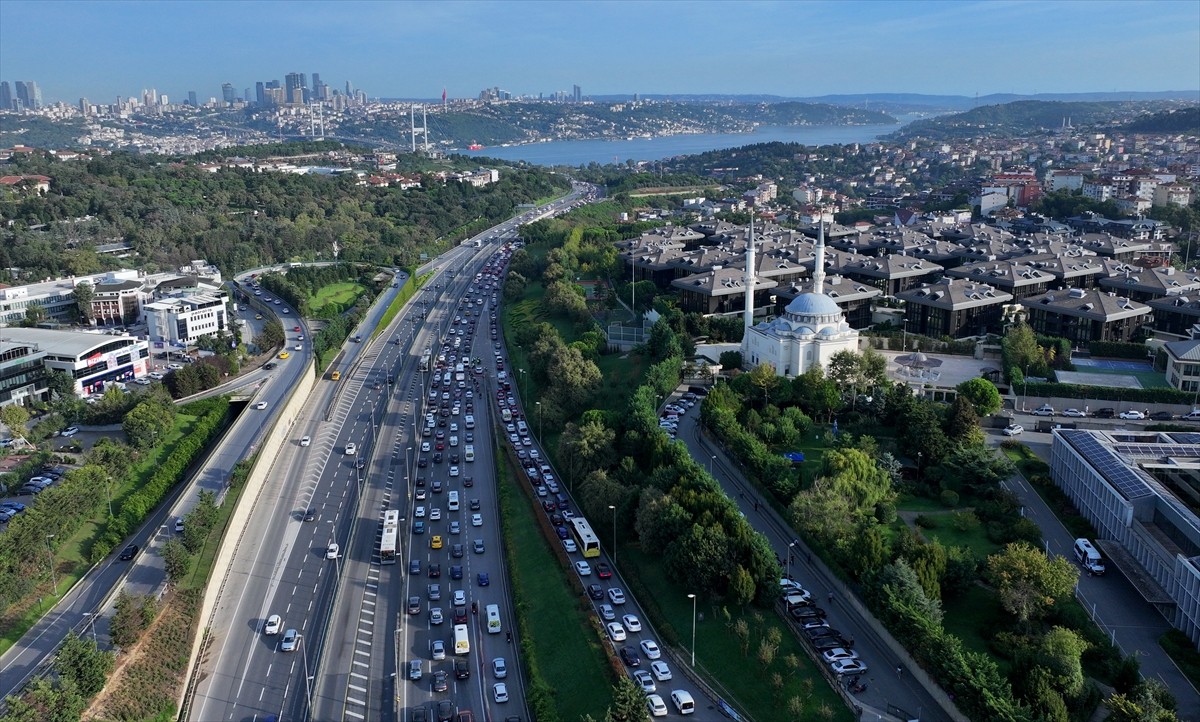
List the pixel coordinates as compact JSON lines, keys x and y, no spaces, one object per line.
{"x":310,"y":514}
{"x":1162,"y":416}
{"x":441,"y":681}
{"x":422,"y":463}
{"x":822,"y":632}
{"x":808,"y":612}
{"x":445,"y":710}
{"x":360,"y":463}
{"x":414,"y":566}
{"x":128,"y":553}
{"x":419,"y":714}
{"x":1105,"y":413}
{"x":474,"y":505}
{"x":270,"y":365}
{"x":456,"y":551}
{"x":630,"y":657}
{"x":460,"y":615}
{"x":420,"y":481}
{"x":595,"y":591}
{"x":462,"y":670}
{"x":469,"y":481}
{"x":456,"y":571}
{"x":435,"y":571}
{"x":825,"y":643}
{"x":414,"y":605}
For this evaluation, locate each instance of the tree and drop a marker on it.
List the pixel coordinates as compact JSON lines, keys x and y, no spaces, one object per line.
{"x":663,"y":342}
{"x":60,"y":384}
{"x":1062,"y":654}
{"x":176,"y":559}
{"x":14,"y":416}
{"x":146,"y":424}
{"x":982,"y":394}
{"x":741,"y":587}
{"x":844,"y":370}
{"x":83,"y":295}
{"x":35,"y":313}
{"x":629,"y":703}
{"x":1149,"y":701}
{"x":730,"y":360}
{"x":133,"y":615}
{"x":83,"y":664}
{"x":1022,"y":351}
{"x":764,"y":377}
{"x":1028,"y":582}
{"x":962,"y":423}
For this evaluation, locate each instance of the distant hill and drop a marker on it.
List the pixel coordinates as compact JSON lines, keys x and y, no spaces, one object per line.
{"x":1175,"y":120}
{"x":1024,"y":117}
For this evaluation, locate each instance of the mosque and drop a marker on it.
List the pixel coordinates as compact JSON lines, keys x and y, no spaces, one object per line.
{"x":811,"y":330}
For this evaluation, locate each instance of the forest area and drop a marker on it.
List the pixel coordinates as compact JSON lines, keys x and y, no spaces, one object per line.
{"x":170,"y":211}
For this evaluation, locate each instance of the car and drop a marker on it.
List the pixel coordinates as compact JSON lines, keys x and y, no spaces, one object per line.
{"x":260,"y":406}
{"x":455,"y":527}
{"x":821,"y":632}
{"x":15,"y":507}
{"x":1044,"y":410}
{"x":128,"y":552}
{"x":477,"y":545}
{"x":583,"y":568}
{"x":453,"y":471}
{"x":630,"y":657}
{"x":616,"y":595}
{"x":644,"y":680}
{"x":824,"y":644}
{"x":414,"y":566}
{"x":806,"y":611}
{"x":435,"y":571}
{"x":435,"y":615}
{"x":435,"y":541}
{"x":414,"y":669}
{"x":1076,"y":413}
{"x":445,"y":710}
{"x":499,"y":668}
{"x":419,"y":526}
{"x":70,"y":431}
{"x":660,"y":670}
{"x":615,"y":631}
{"x":848,"y":666}
{"x":459,"y":614}
{"x":468,"y":481}
{"x":482,"y":579}
{"x":603,"y":570}
{"x":456,"y":551}
{"x":441,"y":681}
{"x":1132,"y":415}
{"x":434,"y":592}
{"x":1162,"y":416}
{"x":1105,"y":413}
{"x":833,"y":655}
{"x":595,"y":591}
{"x":655,"y":705}
{"x":351,"y":449}
{"x":632,"y":623}
{"x":414,"y":605}
{"x":460,"y":597}
{"x":419,"y":512}
{"x":650,"y":649}
{"x":477,"y":520}
{"x":1013,"y":430}
{"x":475,"y":505}
{"x":291,"y":641}
{"x":331,"y":551}
{"x":500,"y":692}
{"x":420,"y":495}
{"x":274,"y":622}
{"x":284,"y":355}
{"x":456,"y":571}
{"x":561,"y":532}
{"x":435,"y":513}
{"x":569,"y":546}
{"x":810,"y":623}
{"x":305,"y":440}
{"x":1193,"y":415}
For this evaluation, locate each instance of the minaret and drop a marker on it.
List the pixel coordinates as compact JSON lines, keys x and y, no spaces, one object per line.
{"x":749,"y":279}
{"x":819,"y":265}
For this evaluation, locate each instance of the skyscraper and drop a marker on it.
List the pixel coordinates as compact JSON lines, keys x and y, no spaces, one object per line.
{"x":260,"y":93}
{"x":293,"y":84}
{"x":578,"y":93}
{"x":192,"y":99}
{"x":227,"y":93}
{"x":6,"y":97}
{"x":85,"y":107}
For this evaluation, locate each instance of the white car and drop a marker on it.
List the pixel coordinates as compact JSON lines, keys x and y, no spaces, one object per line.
{"x":1046,"y":410}
{"x":274,"y":622}
{"x":650,"y":649}
{"x":477,"y":520}
{"x":1013,"y":430}
{"x":1132,"y":415}
{"x":632,"y":623}
{"x":291,"y":641}
{"x":460,"y":598}
{"x":848,"y":666}
{"x":616,"y":595}
{"x":1074,"y":412}
{"x":331,"y":551}
{"x":453,"y":471}
{"x":569,"y":546}
{"x":72,"y":430}
{"x":644,"y":680}
{"x":584,"y":569}
{"x":261,"y":405}
{"x":351,"y":449}
{"x":499,"y":668}
{"x":607,"y":613}
{"x":833,"y":655}
{"x":660,"y":670}
{"x":615,"y":631}
{"x":306,"y":441}
{"x":435,"y":514}
{"x":419,"y":512}
{"x":655,"y":706}
{"x":500,"y":692}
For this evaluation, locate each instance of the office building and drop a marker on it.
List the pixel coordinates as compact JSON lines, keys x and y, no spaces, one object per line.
{"x":6,"y":96}
{"x":228,"y":94}
{"x":22,"y":372}
{"x":93,"y":359}
{"x":180,"y":321}
{"x":192,"y":99}
{"x":1137,"y":488}
{"x":260,"y":93}
{"x":29,"y":95}
{"x":577,"y":93}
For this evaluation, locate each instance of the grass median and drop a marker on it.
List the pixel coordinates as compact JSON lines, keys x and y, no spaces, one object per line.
{"x":567,"y":656}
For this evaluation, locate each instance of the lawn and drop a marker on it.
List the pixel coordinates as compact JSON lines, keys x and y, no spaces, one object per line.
{"x":1148,"y":379}
{"x":339,"y":295}
{"x":972,"y":537}
{"x":735,"y":671}
{"x":568,"y":656}
{"x":969,"y":616}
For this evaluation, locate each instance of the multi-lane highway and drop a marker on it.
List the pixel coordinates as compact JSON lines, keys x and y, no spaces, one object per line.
{"x":344,"y":606}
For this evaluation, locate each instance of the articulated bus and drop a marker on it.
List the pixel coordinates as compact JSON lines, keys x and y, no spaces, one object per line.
{"x":391,"y":531}
{"x":589,"y":545}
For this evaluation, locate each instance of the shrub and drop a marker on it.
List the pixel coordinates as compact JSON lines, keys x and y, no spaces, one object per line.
{"x":925,"y":521}
{"x":949,"y":498}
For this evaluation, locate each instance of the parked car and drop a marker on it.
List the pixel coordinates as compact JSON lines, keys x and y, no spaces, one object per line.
{"x":1046,"y":410}
{"x":1132,"y":415}
{"x":1108,"y":413}
{"x":1193,"y":415}
{"x":1075,"y":413}
{"x":848,"y":666}
{"x":1013,"y":430}
{"x":1162,"y":416}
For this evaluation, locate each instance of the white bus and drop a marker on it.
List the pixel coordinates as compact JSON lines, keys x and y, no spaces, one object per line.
{"x":493,"y":618}
{"x":462,"y":643}
{"x":391,"y":531}
{"x":589,"y":544}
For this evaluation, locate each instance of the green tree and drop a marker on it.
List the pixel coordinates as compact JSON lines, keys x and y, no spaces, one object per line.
{"x":730,"y":360}
{"x":42,"y":701}
{"x":176,"y":559}
{"x":629,"y":703}
{"x":146,"y":424}
{"x":741,"y":587}
{"x":844,"y":370}
{"x":83,"y":664}
{"x":60,"y":384}
{"x":14,"y":416}
{"x":982,"y":394}
{"x":130,"y":619}
{"x":1028,"y":582}
{"x":83,"y":295}
{"x":1149,"y":701}
{"x":1022,"y":351}
{"x":1062,"y":654}
{"x":962,"y":423}
{"x":764,"y":378}
{"x":35,"y":313}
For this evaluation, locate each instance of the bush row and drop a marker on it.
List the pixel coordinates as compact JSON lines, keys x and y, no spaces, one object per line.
{"x":1118,"y":349}
{"x":1106,"y":393}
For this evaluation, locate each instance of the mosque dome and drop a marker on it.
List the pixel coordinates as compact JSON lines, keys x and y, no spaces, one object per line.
{"x":813,"y":304}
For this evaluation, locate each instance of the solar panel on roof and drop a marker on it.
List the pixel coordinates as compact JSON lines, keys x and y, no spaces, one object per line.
{"x":1126,"y":479}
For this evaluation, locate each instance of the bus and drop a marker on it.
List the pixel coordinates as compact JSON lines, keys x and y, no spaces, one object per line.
{"x":391,"y":532}
{"x":462,"y":643}
{"x":589,"y":545}
{"x":425,"y":359}
{"x":493,"y":618}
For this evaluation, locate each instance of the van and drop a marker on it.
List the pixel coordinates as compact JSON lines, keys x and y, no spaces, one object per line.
{"x":1088,"y":557}
{"x":683,"y":701}
{"x":469,"y":453}
{"x":522,"y":428}
{"x":493,"y":618}
{"x":452,"y":501}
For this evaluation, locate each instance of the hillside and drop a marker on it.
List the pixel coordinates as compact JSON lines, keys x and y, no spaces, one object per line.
{"x":1182,"y":120}
{"x":1022,"y":118}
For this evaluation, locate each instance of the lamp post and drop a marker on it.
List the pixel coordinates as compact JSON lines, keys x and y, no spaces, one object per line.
{"x":408,"y":466}
{"x":50,"y":557}
{"x":613,"y":509}
{"x":711,"y":459}
{"x":693,"y":598}
{"x":539,"y":413}
{"x":524,"y":388}
{"x":91,"y":617}
{"x":789,"y":562}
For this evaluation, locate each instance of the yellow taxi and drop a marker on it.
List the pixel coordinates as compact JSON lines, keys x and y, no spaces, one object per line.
{"x":258,"y":317}
{"x":284,"y":354}
{"x":435,"y":541}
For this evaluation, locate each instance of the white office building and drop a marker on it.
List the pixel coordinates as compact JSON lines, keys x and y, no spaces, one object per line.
{"x":180,"y":321}
{"x":94,"y":360}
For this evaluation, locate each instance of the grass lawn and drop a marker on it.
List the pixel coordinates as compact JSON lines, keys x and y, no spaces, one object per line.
{"x":971,"y":614}
{"x":973,"y":537}
{"x":342,"y":295}
{"x":919,"y":504}
{"x":568,"y":653}
{"x":1148,"y":379}
{"x":738,"y":676}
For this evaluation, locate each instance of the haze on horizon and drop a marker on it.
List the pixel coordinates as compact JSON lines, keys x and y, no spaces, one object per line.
{"x":107,"y":48}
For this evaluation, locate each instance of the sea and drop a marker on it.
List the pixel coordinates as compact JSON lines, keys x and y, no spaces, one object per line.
{"x":583,"y":152}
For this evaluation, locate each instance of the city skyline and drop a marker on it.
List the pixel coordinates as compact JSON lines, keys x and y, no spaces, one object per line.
{"x":414,"y":50}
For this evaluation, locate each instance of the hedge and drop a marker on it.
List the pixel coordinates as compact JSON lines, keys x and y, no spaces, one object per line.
{"x":1107,"y":393}
{"x":1118,"y":349}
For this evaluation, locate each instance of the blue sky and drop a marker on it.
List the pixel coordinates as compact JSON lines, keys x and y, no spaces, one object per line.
{"x":102,"y":49}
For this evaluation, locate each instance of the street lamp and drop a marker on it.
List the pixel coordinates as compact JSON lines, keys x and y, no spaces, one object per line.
{"x":91,"y":616}
{"x":711,"y":459}
{"x":50,"y":552}
{"x":614,"y":511}
{"x":539,"y":412}
{"x":408,"y":466}
{"x":789,"y":562}
{"x":524,"y":387}
{"x":693,"y":598}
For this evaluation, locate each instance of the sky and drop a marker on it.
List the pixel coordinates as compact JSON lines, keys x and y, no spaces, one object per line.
{"x":100,"y":49}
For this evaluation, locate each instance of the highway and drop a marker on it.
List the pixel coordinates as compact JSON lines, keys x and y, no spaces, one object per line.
{"x":344,"y":609}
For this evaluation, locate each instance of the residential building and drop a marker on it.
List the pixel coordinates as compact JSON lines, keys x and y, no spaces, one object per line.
{"x":1085,"y":315}
{"x":954,"y":307}
{"x":1172,"y":194}
{"x":1138,"y":490}
{"x":1143,"y":284}
{"x":1175,"y":315}
{"x":1183,"y":365}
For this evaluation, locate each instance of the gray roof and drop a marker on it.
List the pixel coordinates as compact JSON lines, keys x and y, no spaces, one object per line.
{"x":1008,"y":274}
{"x":1087,"y":303}
{"x":1183,"y":350}
{"x":955,"y":293}
{"x":61,"y":343}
